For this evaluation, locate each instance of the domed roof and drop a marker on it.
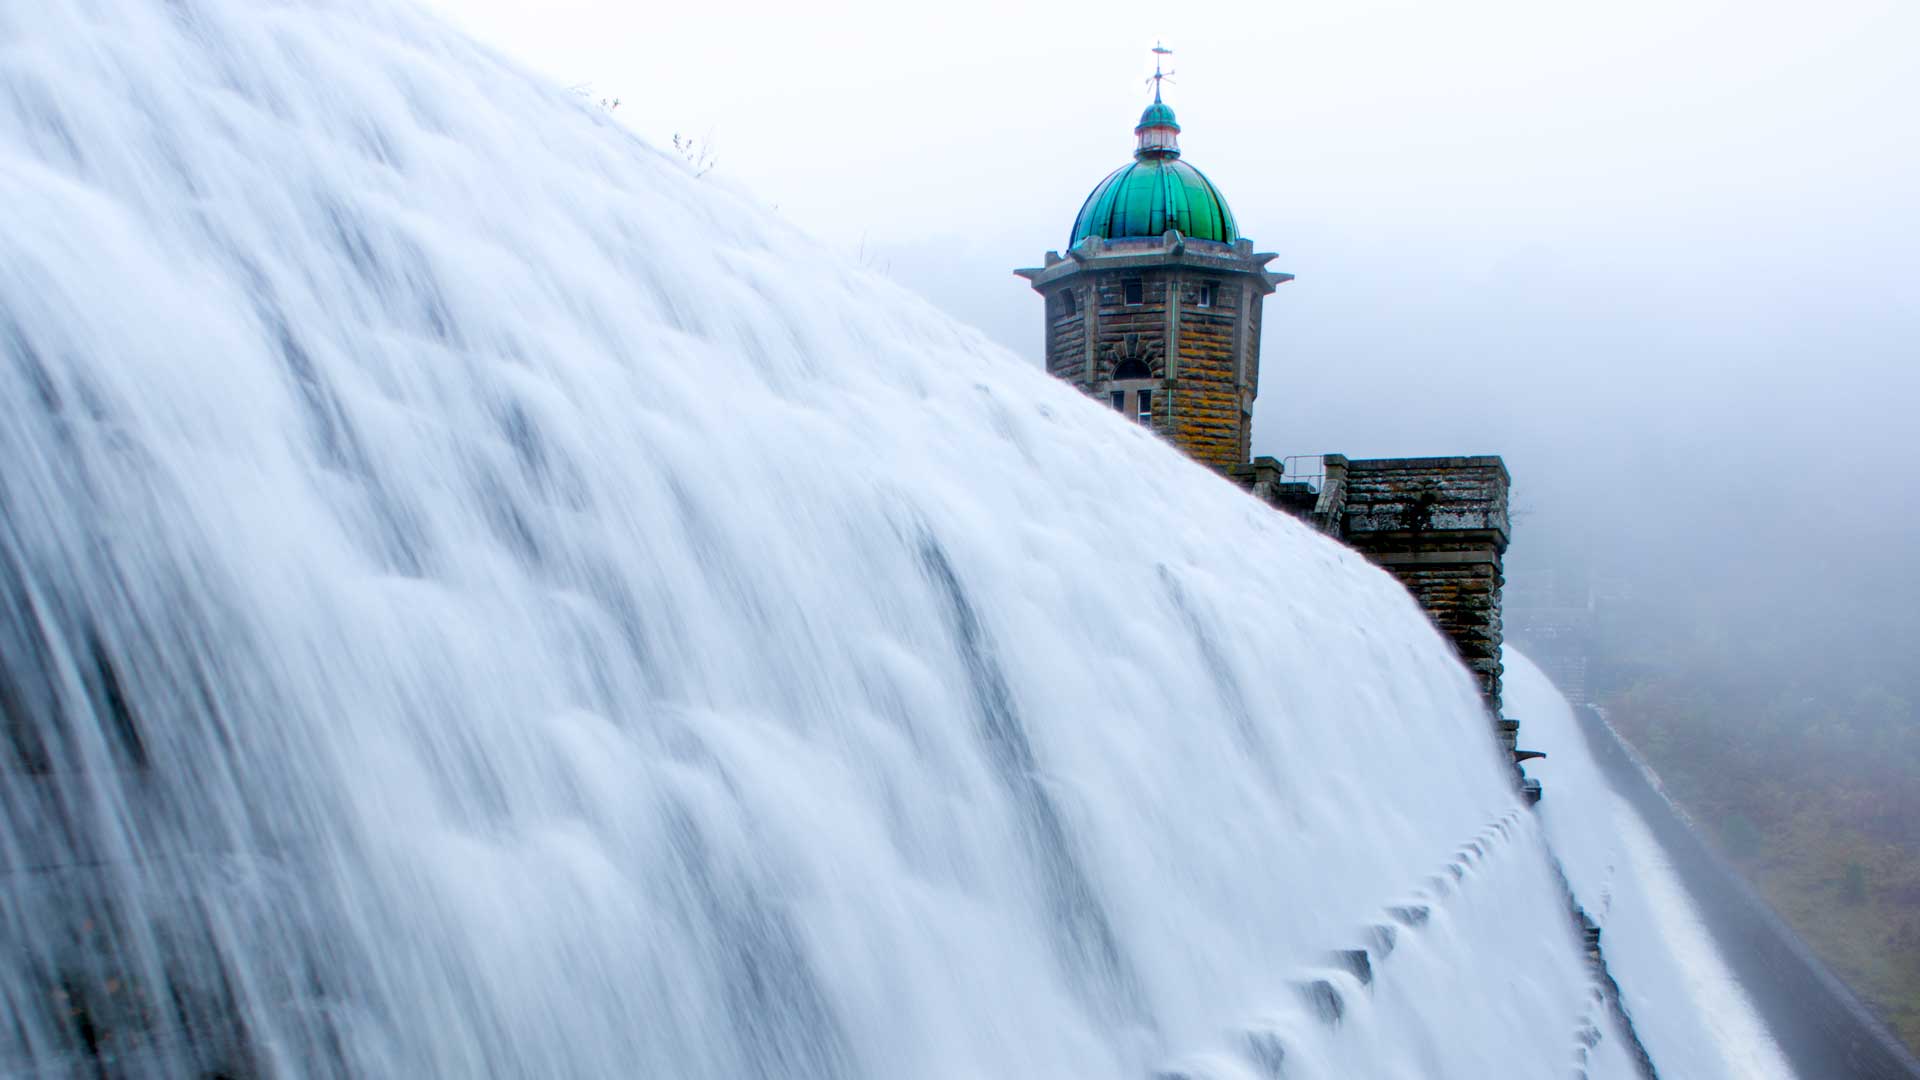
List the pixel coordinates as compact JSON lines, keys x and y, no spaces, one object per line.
{"x":1145,"y":198}
{"x":1156,"y":192}
{"x":1158,"y":114}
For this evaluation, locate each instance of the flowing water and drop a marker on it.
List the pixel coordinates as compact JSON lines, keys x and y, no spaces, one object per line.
{"x":1687,"y":1006}
{"x":476,"y":599}
{"x":1717,"y":985}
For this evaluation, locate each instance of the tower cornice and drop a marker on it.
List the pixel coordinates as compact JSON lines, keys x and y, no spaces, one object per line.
{"x":1165,"y":252}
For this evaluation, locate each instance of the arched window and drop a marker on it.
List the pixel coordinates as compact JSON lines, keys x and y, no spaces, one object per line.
{"x":1133,"y":388}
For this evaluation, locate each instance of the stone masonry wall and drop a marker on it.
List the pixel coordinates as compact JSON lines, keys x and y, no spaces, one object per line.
{"x":1441,"y":526}
{"x":1390,"y":496}
{"x":1067,"y":337}
{"x":1200,"y":407}
{"x":1208,"y":423}
{"x":1464,"y":602}
{"x":1136,"y":331}
{"x":1201,"y":363}
{"x":1250,"y":358}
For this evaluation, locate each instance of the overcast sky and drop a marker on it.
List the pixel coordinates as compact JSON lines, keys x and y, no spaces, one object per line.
{"x":1662,"y":255}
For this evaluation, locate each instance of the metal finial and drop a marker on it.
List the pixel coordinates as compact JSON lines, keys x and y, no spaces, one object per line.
{"x":1159,"y":51}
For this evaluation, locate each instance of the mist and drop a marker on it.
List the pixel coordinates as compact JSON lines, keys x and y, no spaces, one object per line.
{"x":1660,"y":260}
{"x":1660,"y":256}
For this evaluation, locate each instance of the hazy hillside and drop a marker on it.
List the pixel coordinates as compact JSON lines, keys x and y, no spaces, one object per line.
{"x":1793,"y":738}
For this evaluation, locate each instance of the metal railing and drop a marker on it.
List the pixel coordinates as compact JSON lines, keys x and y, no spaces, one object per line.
{"x":1308,"y":469}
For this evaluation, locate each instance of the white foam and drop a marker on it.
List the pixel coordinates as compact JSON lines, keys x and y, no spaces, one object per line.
{"x":578,"y":627}
{"x":1687,"y":1006}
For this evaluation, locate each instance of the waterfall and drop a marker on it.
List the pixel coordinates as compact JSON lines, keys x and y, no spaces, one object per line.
{"x":479,"y":600}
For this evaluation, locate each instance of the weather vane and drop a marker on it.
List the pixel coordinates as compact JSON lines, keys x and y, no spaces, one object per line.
{"x":1159,"y":51}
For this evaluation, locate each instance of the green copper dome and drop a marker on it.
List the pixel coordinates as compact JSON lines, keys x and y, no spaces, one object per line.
{"x":1156,"y":192}
{"x":1151,"y":195}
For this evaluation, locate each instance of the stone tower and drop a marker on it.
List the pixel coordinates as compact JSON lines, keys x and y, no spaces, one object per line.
{"x":1155,"y":309}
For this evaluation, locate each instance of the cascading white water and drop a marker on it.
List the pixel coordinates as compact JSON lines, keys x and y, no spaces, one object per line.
{"x":1688,"y":1008}
{"x":478,"y":600}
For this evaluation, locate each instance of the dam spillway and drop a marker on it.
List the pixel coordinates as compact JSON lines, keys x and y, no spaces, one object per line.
{"x":478,"y":600}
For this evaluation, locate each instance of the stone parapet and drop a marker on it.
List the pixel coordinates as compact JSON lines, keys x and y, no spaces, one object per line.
{"x":1265,"y":479}
{"x":1398,"y":499}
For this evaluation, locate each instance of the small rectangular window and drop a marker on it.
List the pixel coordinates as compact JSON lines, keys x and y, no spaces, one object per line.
{"x":1136,"y":292}
{"x":1146,"y":407}
{"x":1120,"y":401}
{"x":1206,"y":296}
{"x":1066,"y":301}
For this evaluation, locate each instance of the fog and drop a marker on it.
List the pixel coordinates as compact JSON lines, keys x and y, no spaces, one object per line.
{"x":1660,"y":255}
